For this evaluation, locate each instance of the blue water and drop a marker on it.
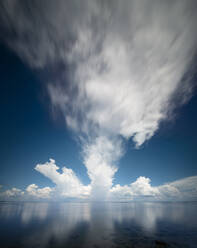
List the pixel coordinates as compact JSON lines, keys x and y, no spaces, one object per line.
{"x":73,"y":224}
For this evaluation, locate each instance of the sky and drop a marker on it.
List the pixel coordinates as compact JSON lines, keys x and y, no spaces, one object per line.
{"x":98,"y":100}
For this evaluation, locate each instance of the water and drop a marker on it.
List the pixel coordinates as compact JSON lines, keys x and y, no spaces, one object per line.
{"x":95,"y":225}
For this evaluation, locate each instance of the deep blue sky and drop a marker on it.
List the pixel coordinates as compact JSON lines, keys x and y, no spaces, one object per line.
{"x":29,"y":135}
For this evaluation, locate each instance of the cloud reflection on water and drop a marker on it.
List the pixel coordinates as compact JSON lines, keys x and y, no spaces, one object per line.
{"x":89,"y":224}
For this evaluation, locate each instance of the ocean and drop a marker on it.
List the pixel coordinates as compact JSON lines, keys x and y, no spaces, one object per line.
{"x":98,"y":224}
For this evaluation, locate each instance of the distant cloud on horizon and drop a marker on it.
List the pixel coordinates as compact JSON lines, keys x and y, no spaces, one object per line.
{"x":68,"y":186}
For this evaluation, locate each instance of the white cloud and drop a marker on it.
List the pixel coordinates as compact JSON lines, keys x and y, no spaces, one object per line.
{"x":14,"y":192}
{"x":126,"y":87}
{"x":68,"y":185}
{"x":140,"y":188}
{"x":34,"y":190}
{"x":114,"y":70}
{"x":99,"y":159}
{"x":31,"y":192}
{"x":184,"y":189}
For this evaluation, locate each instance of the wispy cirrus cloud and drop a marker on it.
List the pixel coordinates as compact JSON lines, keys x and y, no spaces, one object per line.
{"x":113,"y":70}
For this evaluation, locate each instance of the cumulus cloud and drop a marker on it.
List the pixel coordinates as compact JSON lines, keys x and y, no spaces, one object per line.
{"x":67,"y":183}
{"x":113,"y":69}
{"x":141,"y":189}
{"x":69,"y":186}
{"x":31,"y":192}
{"x":99,"y":159}
{"x":14,"y":192}
{"x":34,"y":190}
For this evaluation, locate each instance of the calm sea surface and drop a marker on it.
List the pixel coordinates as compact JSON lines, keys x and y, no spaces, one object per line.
{"x":98,"y":225}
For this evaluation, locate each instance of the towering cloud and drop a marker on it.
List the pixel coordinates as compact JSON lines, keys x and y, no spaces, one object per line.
{"x":112,"y":68}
